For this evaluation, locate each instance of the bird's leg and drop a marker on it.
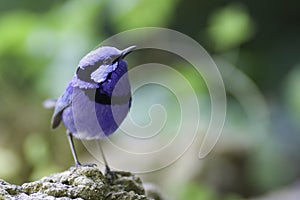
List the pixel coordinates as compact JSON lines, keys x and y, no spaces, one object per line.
{"x":104,"y":158}
{"x":77,"y":163}
{"x":107,"y":168}
{"x":70,"y":138}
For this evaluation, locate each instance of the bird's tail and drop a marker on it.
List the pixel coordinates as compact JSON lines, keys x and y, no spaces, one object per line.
{"x":50,"y":103}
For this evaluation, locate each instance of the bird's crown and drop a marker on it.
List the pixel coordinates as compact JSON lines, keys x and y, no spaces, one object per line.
{"x":96,"y":65}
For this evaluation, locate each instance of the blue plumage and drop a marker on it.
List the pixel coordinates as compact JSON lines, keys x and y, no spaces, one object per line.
{"x":98,"y":97}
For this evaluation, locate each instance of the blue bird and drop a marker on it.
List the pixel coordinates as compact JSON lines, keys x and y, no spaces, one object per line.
{"x":97,"y":99}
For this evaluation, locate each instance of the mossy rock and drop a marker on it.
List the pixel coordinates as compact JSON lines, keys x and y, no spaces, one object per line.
{"x":83,"y":182}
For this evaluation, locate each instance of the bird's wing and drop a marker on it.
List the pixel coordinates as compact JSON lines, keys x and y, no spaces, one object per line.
{"x":63,"y":102}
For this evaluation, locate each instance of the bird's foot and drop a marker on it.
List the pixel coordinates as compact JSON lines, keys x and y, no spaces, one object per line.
{"x":109,"y":174}
{"x":78,"y":164}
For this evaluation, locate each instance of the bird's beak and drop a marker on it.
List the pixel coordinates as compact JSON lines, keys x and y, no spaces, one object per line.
{"x":126,"y":51}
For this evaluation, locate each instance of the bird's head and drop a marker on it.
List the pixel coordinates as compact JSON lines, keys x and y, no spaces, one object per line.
{"x":96,"y":65}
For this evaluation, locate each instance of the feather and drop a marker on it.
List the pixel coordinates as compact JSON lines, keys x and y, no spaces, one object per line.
{"x":62,"y":103}
{"x":49,"y":103}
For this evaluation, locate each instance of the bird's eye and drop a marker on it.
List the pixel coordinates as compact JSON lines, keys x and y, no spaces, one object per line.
{"x":115,"y":60}
{"x":107,"y":61}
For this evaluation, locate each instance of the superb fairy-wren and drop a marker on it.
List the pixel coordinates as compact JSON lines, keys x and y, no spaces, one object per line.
{"x":97,"y":99}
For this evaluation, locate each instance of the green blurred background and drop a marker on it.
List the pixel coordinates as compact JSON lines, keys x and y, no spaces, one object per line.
{"x":255,"y":44}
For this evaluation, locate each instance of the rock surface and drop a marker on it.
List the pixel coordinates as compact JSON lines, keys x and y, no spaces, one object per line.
{"x":77,"y":183}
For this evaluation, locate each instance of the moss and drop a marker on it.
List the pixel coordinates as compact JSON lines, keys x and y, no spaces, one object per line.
{"x":84,"y":182}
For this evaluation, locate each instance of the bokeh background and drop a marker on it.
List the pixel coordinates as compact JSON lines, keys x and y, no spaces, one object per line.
{"x":255,"y":45}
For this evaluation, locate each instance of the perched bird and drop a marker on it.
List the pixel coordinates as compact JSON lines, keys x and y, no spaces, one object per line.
{"x":97,"y":99}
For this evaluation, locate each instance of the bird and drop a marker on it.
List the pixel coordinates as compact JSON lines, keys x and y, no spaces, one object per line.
{"x":97,"y":98}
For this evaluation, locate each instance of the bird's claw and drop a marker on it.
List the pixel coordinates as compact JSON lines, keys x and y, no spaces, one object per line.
{"x":109,"y":174}
{"x":78,"y":164}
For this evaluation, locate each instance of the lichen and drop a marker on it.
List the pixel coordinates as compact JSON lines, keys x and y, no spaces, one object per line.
{"x":85,"y":182}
